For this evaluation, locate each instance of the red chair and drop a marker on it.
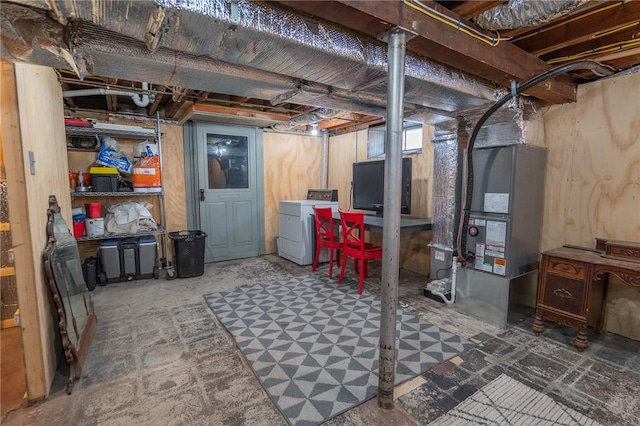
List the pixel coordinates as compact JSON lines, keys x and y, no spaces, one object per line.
{"x":325,"y":236}
{"x":355,"y":246}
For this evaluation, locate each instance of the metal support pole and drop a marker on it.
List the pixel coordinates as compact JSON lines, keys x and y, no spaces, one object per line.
{"x":391,"y":219}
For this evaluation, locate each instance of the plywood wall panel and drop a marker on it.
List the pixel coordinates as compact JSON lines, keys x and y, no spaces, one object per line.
{"x":173,"y":177}
{"x":592,"y":182}
{"x":292,"y":166}
{"x":39,"y":129}
{"x":342,"y":155}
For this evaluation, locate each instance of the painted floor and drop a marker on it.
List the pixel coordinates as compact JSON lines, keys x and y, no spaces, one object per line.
{"x":160,"y":357}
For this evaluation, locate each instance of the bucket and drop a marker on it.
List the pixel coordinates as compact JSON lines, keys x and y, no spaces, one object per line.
{"x":78,"y":228}
{"x":95,"y":226}
{"x":95,"y":210}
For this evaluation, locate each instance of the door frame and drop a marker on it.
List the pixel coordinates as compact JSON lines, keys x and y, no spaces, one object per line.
{"x":192,"y":184}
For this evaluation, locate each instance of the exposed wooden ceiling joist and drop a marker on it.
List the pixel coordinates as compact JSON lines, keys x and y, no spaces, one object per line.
{"x":596,"y":47}
{"x":443,"y":43}
{"x":580,"y":28}
{"x":593,"y":45}
{"x":112,"y":100}
{"x":468,"y":9}
{"x":626,"y":61}
{"x":70,"y":101}
{"x":159,"y":100}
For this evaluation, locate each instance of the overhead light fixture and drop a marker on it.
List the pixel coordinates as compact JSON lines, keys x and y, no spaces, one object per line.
{"x":314,"y":129}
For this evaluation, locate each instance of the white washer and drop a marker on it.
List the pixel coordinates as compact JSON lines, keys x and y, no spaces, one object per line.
{"x":297,"y":230}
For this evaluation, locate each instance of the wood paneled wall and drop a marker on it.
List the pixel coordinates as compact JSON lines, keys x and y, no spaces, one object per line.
{"x":592,"y":186}
{"x":173,"y":177}
{"x":346,"y":149}
{"x":292,"y":165}
{"x":33,"y":122}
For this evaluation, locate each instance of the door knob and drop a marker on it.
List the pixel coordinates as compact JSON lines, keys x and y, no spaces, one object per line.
{"x":202,"y":195}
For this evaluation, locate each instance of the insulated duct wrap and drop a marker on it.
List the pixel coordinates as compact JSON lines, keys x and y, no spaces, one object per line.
{"x":445,"y":171}
{"x":524,"y":13}
{"x":238,"y":48}
{"x":506,"y":126}
{"x":308,"y":118}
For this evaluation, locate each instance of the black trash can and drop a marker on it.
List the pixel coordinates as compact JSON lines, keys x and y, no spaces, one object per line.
{"x":188,"y":252}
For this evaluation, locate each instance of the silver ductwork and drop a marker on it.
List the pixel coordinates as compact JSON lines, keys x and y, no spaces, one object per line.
{"x":507,"y":126}
{"x":255,"y":50}
{"x":524,"y":13}
{"x":308,"y":118}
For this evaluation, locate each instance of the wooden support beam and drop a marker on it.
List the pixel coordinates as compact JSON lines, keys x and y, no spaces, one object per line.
{"x":442,"y":43}
{"x":235,"y":100}
{"x":112,"y":100}
{"x":580,"y":29}
{"x":607,"y":43}
{"x":468,"y":9}
{"x":240,"y":112}
{"x":176,"y":102}
{"x":70,"y":101}
{"x":160,"y":97}
{"x":172,"y":108}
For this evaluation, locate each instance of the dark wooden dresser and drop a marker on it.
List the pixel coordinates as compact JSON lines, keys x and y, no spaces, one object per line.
{"x":566,"y":280}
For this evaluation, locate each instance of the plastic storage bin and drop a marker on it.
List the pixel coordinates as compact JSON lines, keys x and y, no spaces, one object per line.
{"x":104,"y":183}
{"x":127,"y":259}
{"x":188,"y":252}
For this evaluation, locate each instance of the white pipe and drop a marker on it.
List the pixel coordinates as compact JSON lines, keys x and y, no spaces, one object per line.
{"x":325,"y":158}
{"x":454,"y":267}
{"x":141,"y":100}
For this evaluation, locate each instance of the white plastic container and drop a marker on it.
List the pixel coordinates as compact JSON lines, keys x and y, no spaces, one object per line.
{"x":94,"y":227}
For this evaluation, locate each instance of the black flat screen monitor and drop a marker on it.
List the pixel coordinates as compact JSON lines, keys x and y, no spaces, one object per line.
{"x":368,"y":186}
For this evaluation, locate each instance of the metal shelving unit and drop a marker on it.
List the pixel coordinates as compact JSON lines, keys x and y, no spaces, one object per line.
{"x":159,"y":231}
{"x":129,"y":132}
{"x":116,"y":194}
{"x":115,"y":133}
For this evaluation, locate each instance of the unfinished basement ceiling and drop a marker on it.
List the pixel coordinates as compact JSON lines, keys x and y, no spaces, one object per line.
{"x":292,"y":63}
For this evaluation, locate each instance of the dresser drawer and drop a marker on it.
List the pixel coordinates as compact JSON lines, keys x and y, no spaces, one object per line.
{"x":567,"y":268}
{"x":565,"y":294}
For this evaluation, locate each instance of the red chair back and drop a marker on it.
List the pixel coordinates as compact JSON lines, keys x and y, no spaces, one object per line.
{"x":324,"y":223}
{"x":353,"y":231}
{"x":325,"y":237}
{"x":355,"y":246}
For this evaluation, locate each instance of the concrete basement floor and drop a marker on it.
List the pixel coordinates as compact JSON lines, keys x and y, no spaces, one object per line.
{"x":160,"y":357}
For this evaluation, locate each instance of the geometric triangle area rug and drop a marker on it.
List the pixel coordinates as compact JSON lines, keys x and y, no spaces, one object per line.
{"x":313,"y":344}
{"x":506,"y":401}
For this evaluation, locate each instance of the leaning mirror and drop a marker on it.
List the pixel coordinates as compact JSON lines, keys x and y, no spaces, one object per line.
{"x":63,"y":270}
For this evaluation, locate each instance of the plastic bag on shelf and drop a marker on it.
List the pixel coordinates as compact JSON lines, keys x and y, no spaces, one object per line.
{"x":144,"y":149}
{"x":110,"y":155}
{"x":146,"y":174}
{"x":129,"y":217}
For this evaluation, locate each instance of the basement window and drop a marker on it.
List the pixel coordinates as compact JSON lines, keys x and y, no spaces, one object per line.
{"x":411,"y":140}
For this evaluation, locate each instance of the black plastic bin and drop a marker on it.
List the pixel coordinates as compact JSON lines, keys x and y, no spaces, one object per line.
{"x":188,"y":252}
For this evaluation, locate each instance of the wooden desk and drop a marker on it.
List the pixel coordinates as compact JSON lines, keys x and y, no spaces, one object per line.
{"x":566,"y":280}
{"x":407,"y":224}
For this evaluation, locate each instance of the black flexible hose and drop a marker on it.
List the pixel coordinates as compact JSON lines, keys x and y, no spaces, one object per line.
{"x":464,"y":218}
